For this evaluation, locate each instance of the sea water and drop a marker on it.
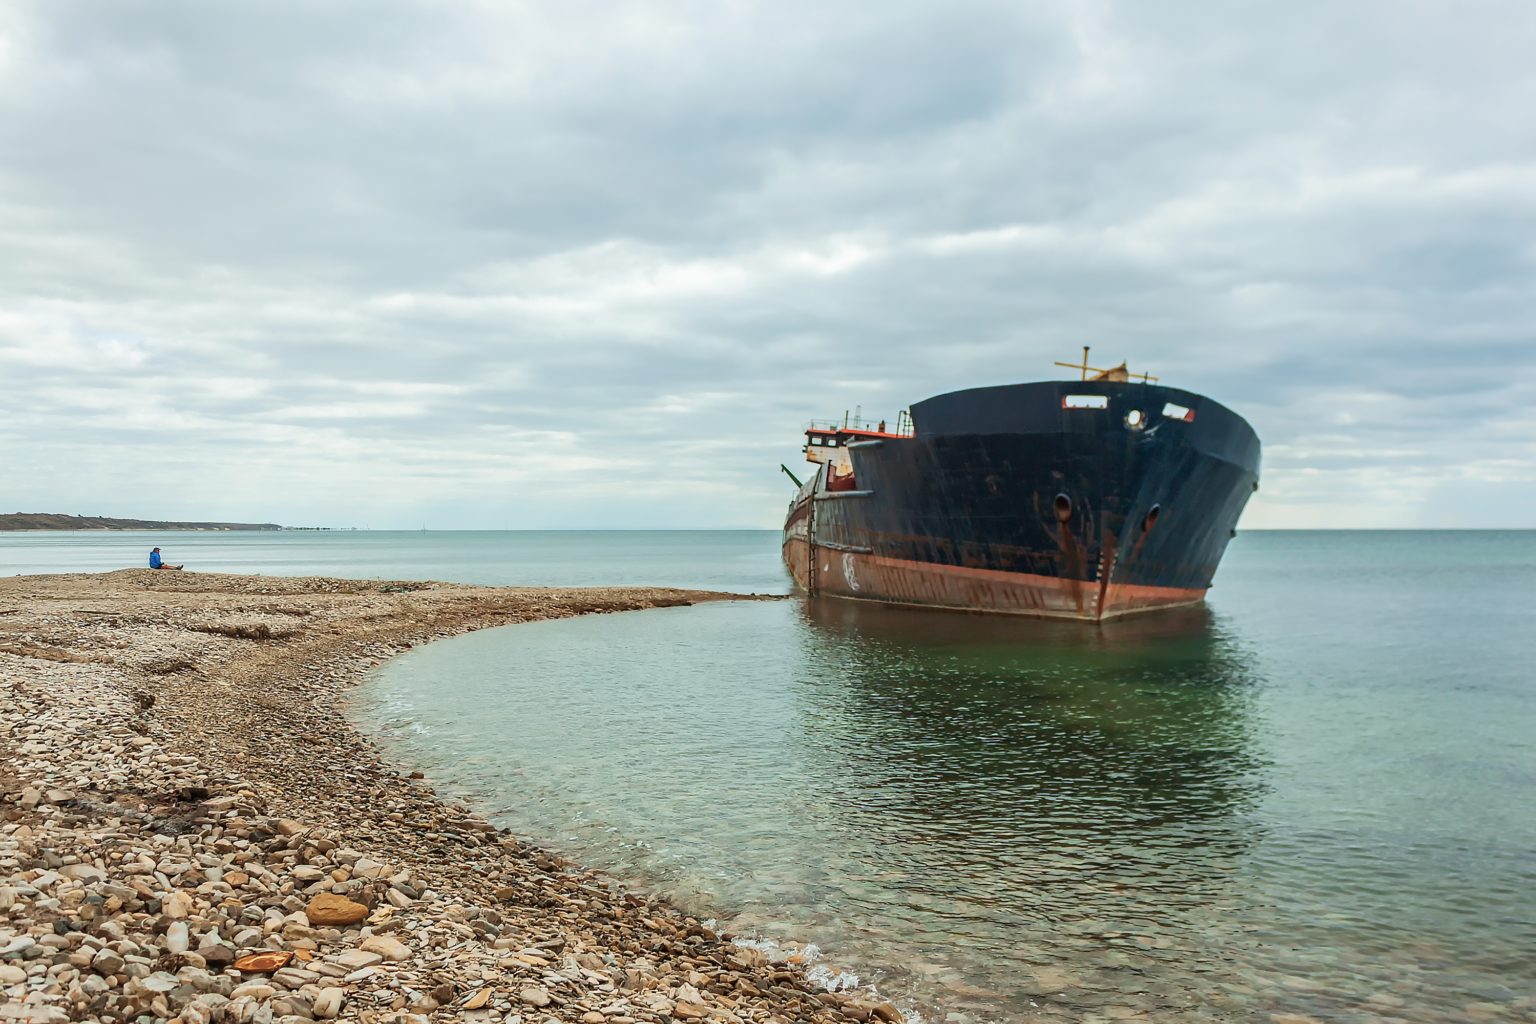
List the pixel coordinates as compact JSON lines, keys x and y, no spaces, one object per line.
{"x":734,"y":560}
{"x":1314,"y":797}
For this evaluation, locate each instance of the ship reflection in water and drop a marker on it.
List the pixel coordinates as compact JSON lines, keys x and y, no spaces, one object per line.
{"x":1149,"y":713}
{"x":1070,"y":803}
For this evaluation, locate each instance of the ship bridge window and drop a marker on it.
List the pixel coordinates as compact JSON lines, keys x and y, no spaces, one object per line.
{"x":1085,"y":401}
{"x":1179,"y":412}
{"x":815,"y":440}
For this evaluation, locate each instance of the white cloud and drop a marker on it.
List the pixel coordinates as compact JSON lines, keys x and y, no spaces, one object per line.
{"x":509,"y":265}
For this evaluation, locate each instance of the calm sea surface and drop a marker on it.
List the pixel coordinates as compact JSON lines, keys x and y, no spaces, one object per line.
{"x":735,"y":560}
{"x":1317,"y":797}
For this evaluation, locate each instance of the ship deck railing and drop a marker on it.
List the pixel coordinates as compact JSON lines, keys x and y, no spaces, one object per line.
{"x":903,"y":427}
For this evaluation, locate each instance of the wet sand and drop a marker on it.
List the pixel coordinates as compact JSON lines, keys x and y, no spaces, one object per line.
{"x":180,"y":789}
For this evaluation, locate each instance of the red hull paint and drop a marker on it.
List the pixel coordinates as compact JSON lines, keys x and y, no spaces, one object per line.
{"x":869,"y":577}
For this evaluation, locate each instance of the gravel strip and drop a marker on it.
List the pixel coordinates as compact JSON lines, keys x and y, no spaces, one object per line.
{"x":191,"y":831}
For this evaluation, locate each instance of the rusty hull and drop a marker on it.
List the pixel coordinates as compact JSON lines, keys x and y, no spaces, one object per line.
{"x":869,"y":577}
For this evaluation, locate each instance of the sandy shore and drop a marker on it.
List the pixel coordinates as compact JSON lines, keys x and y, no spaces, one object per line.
{"x":179,"y":789}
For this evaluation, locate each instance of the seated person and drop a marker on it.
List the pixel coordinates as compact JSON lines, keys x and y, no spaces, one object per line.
{"x":155,"y":561}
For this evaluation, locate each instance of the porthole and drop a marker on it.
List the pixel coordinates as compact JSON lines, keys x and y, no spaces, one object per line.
{"x":1063,"y":505}
{"x":1135,"y":419}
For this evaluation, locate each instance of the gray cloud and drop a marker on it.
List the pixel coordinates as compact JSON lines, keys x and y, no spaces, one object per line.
{"x":594,"y":265}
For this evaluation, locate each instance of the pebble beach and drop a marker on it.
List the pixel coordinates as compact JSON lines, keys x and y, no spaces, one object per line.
{"x":191,"y":830}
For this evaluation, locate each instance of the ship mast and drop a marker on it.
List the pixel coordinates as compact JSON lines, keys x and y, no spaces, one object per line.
{"x":1109,"y":374}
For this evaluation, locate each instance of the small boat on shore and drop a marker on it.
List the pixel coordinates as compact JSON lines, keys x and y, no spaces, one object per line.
{"x":1083,"y":499}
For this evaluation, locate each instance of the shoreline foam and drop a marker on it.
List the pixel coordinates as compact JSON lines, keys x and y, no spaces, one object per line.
{"x":178,"y":785}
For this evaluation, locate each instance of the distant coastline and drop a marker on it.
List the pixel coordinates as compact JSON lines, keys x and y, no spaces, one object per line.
{"x":60,"y":521}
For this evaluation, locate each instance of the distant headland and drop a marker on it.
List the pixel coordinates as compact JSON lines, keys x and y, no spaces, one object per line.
{"x":60,"y":521}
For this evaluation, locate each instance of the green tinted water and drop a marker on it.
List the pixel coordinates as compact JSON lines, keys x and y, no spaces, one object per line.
{"x":1314,"y":799}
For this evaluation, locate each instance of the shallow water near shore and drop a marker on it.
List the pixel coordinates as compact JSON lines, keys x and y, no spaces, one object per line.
{"x":1312,"y":797}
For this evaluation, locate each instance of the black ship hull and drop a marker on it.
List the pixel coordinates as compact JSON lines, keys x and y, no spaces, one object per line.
{"x":1085,"y":500}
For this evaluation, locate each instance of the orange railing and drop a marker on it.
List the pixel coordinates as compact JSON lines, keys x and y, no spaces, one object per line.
{"x":902,"y":427}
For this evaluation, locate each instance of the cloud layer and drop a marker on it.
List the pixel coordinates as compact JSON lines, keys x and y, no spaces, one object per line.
{"x":500,"y":265}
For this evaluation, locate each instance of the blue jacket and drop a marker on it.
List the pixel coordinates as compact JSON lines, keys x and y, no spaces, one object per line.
{"x":154,"y":559}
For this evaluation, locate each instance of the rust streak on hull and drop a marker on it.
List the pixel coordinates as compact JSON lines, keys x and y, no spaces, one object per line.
{"x":1106,"y":571}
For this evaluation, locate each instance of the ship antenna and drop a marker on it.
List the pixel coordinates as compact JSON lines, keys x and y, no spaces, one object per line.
{"x":1075,"y":366}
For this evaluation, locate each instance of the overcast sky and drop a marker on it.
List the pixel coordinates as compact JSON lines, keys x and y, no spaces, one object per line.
{"x":383,"y":264}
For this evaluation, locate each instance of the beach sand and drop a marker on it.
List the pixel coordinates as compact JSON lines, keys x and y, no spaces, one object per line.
{"x":179,"y":788}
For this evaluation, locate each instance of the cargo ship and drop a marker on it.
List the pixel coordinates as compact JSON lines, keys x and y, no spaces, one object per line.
{"x":1086,"y":499}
